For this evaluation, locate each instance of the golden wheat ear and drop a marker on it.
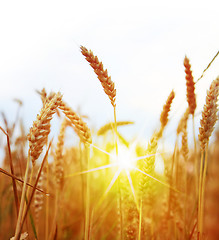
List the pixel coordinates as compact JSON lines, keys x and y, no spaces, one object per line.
{"x":107,"y":84}
{"x":191,"y":97}
{"x":183,"y":122}
{"x":165,"y":113}
{"x":80,"y":126}
{"x":209,"y":114}
{"x":41,"y":127}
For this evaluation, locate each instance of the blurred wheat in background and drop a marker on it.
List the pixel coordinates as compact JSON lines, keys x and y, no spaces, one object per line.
{"x":104,"y":186}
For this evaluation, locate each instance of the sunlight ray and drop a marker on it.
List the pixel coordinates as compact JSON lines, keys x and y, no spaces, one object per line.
{"x":132,"y":188}
{"x":113,"y":181}
{"x":101,"y":150}
{"x":116,"y":175}
{"x":144,"y":157}
{"x":92,"y":170}
{"x":165,"y":184}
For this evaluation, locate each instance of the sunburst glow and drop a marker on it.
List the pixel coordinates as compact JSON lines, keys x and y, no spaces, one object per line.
{"x":125,"y":159}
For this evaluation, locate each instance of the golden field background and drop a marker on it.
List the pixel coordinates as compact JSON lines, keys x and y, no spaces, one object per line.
{"x":107,"y":188}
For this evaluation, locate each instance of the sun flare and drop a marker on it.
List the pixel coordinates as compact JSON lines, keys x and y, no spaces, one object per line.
{"x":125,"y":159}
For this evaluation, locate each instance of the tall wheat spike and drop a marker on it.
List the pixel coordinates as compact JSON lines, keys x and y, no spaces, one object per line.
{"x":109,"y":88}
{"x":191,"y":97}
{"x":41,"y":127}
{"x":107,"y":83}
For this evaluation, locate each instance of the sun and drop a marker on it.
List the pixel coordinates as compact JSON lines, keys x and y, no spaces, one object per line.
{"x":125,"y":158}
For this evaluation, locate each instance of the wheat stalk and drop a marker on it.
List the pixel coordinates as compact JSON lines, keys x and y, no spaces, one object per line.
{"x":191,"y":99}
{"x":107,"y":83}
{"x":146,"y":187}
{"x":212,"y":195}
{"x":38,"y":197}
{"x":209,"y":118}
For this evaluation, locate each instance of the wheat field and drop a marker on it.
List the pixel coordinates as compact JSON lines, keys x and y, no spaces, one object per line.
{"x":109,"y":189}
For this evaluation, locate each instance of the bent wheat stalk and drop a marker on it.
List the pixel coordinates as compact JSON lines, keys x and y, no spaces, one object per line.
{"x":109,"y":88}
{"x":84,"y":134}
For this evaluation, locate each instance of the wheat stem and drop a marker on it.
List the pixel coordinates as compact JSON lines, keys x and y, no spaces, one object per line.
{"x":140,"y":220}
{"x":87,"y":217}
{"x":47,"y":201}
{"x":199,"y":197}
{"x":203,"y":187}
{"x":20,"y":214}
{"x":195,"y":156}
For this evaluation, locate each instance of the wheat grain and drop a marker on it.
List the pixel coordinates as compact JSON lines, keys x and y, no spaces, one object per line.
{"x":107,"y":83}
{"x":191,"y":98}
{"x":185,"y":148}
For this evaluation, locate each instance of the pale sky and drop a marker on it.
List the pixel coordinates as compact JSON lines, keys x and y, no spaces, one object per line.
{"x":141,"y":43}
